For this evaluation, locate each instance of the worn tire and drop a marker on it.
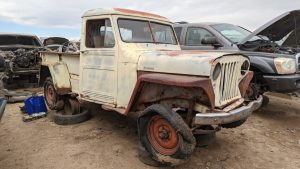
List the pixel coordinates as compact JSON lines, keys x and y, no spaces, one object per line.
{"x":61,"y":119}
{"x":56,"y":101}
{"x":234,"y":124}
{"x":265,"y":101}
{"x":186,"y":141}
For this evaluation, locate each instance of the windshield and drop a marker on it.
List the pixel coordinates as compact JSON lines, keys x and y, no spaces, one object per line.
{"x":145,"y":32}
{"x":18,"y":40}
{"x":231,"y":32}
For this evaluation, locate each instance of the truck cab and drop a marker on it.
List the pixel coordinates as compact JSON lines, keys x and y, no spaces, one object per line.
{"x":131,"y":62}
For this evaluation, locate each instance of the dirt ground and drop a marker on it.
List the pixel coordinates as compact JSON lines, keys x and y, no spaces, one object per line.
{"x":269,"y":139}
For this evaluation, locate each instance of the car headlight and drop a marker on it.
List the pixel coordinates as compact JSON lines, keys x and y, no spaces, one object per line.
{"x":285,"y":65}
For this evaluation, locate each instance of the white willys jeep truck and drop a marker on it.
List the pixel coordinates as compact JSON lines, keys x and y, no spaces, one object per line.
{"x":131,"y":62}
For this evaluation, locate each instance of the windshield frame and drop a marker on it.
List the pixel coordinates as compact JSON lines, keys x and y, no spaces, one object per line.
{"x":151,"y":31}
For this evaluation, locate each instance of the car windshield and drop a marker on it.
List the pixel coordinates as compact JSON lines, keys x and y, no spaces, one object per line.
{"x":233,"y":33}
{"x":18,"y":40}
{"x":138,"y":31}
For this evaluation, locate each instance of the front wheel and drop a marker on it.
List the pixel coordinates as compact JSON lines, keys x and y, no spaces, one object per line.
{"x":165,"y":136}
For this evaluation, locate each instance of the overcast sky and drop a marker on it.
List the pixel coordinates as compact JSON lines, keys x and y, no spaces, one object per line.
{"x":62,"y":17}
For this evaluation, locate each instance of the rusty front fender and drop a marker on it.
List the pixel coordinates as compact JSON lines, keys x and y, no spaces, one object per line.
{"x":171,"y":80}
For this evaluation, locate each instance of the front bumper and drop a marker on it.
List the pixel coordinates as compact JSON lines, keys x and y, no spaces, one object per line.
{"x":228,"y":117}
{"x":283,"y":83}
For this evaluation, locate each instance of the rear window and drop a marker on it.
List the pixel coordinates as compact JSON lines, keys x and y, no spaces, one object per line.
{"x":18,"y":40}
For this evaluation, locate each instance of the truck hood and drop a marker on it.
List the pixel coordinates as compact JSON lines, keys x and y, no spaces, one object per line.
{"x":179,"y":62}
{"x":285,"y":27}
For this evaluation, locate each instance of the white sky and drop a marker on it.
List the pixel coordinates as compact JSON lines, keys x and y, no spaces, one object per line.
{"x":66,"y":13}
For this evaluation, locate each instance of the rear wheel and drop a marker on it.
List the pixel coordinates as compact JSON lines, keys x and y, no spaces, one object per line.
{"x":165,"y":136}
{"x":53,"y":100}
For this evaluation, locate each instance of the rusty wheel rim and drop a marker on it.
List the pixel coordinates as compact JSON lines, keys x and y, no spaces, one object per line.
{"x":50,"y":94}
{"x":162,"y":136}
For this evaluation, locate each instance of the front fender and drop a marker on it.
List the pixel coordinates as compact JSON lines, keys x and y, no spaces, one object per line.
{"x":265,"y":65}
{"x":61,"y":77}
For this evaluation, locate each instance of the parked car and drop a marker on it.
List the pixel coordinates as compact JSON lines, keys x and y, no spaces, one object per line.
{"x":19,"y":57}
{"x":273,"y":49}
{"x":131,"y":61}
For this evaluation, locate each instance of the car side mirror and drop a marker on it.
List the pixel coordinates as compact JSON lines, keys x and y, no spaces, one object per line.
{"x":211,"y":41}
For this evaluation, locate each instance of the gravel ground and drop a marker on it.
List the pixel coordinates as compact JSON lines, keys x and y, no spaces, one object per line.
{"x":269,"y":139}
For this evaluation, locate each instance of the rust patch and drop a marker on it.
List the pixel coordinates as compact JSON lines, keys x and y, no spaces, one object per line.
{"x":162,"y":135}
{"x":244,"y":84}
{"x":182,"y":52}
{"x":234,"y":105}
{"x":63,"y":91}
{"x":129,"y":11}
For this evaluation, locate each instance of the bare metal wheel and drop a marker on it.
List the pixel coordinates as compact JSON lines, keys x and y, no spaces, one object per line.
{"x":50,"y":95}
{"x":53,"y":100}
{"x":166,"y":140}
{"x":162,"y":136}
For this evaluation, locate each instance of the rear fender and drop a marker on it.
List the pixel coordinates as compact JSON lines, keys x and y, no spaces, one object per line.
{"x":60,"y":77}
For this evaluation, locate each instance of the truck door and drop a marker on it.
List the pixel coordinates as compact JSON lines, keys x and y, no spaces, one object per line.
{"x":98,"y":61}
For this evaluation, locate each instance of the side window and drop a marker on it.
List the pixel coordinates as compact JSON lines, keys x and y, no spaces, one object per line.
{"x":178,"y":32}
{"x":99,"y":34}
{"x":195,"y":35}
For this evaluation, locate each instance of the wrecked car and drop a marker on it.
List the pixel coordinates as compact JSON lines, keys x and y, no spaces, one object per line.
{"x":272,"y":49}
{"x":131,"y":62}
{"x":60,"y":44}
{"x":19,"y":57}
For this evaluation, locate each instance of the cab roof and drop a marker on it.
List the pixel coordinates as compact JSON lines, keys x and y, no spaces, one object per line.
{"x":122,"y":11}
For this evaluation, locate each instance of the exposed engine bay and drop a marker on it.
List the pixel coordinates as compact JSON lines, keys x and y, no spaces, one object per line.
{"x":15,"y":63}
{"x":268,"y":46}
{"x":21,"y":58}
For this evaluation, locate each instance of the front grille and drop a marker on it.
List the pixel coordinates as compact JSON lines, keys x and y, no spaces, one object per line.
{"x":229,"y":78}
{"x":226,"y":86}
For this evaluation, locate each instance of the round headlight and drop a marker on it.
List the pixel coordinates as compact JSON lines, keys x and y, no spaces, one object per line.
{"x":217,"y":71}
{"x":245,"y":67}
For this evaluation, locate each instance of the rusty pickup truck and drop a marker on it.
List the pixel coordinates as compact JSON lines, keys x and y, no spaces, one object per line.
{"x":131,"y":62}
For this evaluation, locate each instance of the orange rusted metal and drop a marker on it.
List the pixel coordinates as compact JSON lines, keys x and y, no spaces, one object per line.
{"x":182,"y":52}
{"x":162,"y":136}
{"x":244,"y":84}
{"x":173,"y":80}
{"x":129,"y":11}
{"x":50,"y":94}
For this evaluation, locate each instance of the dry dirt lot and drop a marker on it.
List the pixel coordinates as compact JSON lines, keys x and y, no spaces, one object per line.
{"x":269,"y":139}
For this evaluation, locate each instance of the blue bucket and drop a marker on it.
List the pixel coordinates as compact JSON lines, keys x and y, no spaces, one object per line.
{"x":35,"y":104}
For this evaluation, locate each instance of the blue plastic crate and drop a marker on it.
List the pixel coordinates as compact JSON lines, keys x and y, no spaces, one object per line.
{"x":35,"y":104}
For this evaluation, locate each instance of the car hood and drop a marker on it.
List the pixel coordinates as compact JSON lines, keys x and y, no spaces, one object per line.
{"x":179,"y":62}
{"x":54,"y":41}
{"x":286,"y":25}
